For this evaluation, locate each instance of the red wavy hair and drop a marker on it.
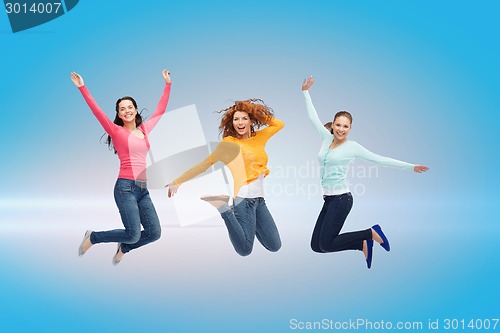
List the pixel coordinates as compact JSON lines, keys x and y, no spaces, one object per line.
{"x":260,"y":114}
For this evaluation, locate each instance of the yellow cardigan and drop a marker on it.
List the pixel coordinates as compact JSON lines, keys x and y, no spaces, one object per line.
{"x":245,"y":158}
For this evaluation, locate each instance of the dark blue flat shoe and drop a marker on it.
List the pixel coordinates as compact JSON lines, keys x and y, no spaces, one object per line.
{"x":385,"y":241}
{"x":369,"y":246}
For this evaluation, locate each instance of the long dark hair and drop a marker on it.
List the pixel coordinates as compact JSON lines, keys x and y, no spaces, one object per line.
{"x":118,"y":121}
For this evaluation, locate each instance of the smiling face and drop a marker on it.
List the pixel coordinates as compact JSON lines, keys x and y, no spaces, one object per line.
{"x":242,"y":124}
{"x":341,"y":127}
{"x":127,"y":111}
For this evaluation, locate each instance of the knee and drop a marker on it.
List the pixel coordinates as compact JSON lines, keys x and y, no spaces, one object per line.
{"x":155,"y":234}
{"x":315,"y":246}
{"x":153,"y":231}
{"x":133,"y":236}
{"x":322,"y":247}
{"x":244,"y":252}
{"x":275,"y":247}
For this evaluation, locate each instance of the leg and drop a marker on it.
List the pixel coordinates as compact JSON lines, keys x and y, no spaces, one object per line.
{"x":240,"y":222}
{"x":149,"y":220}
{"x":266,"y":230}
{"x":317,"y":229}
{"x":339,"y":207}
{"x":126,"y":200}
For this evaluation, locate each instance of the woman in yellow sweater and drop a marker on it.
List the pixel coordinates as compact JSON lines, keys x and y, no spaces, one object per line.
{"x":242,"y":150}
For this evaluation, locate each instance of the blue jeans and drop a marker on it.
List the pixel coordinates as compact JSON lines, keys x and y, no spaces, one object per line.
{"x":249,"y":217}
{"x":326,"y":235}
{"x":136,"y":208}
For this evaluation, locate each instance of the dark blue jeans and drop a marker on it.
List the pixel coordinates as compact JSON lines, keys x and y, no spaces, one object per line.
{"x":249,"y":217}
{"x":326,"y":236}
{"x":136,"y":208}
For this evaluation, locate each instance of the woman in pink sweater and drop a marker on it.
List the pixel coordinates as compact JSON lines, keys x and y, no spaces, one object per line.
{"x":128,"y":135}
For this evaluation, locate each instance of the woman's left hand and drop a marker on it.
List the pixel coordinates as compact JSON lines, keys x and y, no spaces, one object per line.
{"x":166,"y":76}
{"x":420,"y":168}
{"x":77,"y":79}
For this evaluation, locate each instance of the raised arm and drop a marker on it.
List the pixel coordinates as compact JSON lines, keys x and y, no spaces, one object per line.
{"x":311,"y":110}
{"x":106,"y":123}
{"x":274,"y":125}
{"x":162,"y":104}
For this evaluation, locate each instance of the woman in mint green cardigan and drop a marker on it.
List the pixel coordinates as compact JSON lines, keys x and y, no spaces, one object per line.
{"x":335,"y":155}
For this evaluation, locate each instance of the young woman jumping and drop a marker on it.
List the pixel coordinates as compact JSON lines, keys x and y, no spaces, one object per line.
{"x":335,"y":155}
{"x":242,"y":150}
{"x":128,"y":136}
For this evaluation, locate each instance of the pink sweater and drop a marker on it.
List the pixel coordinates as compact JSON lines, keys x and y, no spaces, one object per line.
{"x":131,"y":149}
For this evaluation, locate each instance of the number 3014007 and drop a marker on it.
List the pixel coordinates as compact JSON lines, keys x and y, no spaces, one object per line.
{"x":35,"y":8}
{"x":473,"y":324}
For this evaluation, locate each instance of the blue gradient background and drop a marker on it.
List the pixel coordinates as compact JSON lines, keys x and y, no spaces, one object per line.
{"x":421,"y":79}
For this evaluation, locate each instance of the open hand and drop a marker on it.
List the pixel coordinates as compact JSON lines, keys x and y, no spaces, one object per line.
{"x":77,"y":79}
{"x":307,"y":83}
{"x":420,"y":168}
{"x":172,"y":189}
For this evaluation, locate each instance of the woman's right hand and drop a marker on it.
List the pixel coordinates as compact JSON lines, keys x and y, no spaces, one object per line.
{"x":172,"y":189}
{"x":77,"y":79}
{"x":307,"y":83}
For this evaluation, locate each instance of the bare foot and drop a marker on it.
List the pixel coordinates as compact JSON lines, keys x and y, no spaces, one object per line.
{"x":216,"y":200}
